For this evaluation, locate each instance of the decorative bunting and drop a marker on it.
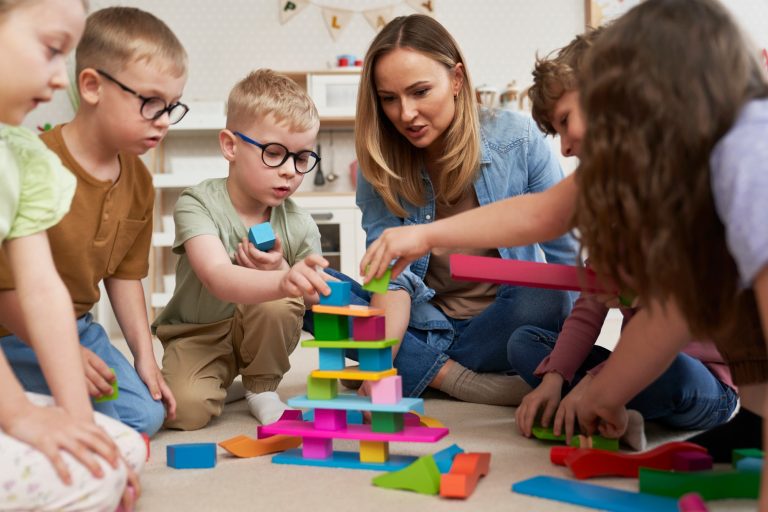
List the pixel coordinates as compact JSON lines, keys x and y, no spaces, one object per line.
{"x":336,"y":20}
{"x":423,"y":6}
{"x":379,"y":17}
{"x":290,"y":8}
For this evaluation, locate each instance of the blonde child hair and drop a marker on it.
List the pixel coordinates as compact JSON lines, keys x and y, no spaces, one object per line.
{"x":264,"y":92}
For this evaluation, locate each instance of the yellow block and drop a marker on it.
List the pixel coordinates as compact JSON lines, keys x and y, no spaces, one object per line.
{"x":374,"y":451}
{"x":427,"y":421}
{"x":351,"y":310}
{"x":352,"y":373}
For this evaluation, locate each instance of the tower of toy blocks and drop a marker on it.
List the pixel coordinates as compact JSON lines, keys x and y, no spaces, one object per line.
{"x":386,"y":404}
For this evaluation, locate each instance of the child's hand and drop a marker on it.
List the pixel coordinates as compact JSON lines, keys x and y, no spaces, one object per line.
{"x":98,"y":375}
{"x":406,"y":243}
{"x":304,"y":279}
{"x":566,"y":412}
{"x":608,"y":420}
{"x":153,"y":378}
{"x":546,"y":396}
{"x":132,"y":490}
{"x":247,"y":255}
{"x":51,"y":429}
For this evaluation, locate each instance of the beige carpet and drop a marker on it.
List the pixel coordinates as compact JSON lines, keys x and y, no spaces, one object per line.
{"x":257,"y":484}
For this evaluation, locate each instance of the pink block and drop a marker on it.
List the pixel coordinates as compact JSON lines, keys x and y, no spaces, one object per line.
{"x":691,"y":502}
{"x":368,"y":329}
{"x":691,"y":461}
{"x":313,"y":448}
{"x":306,"y":430}
{"x":411,"y":419}
{"x":330,"y":419}
{"x":288,"y":414}
{"x":388,"y":390}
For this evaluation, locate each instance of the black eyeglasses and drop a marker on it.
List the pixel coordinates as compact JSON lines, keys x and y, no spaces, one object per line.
{"x":154,"y":107}
{"x":274,"y":154}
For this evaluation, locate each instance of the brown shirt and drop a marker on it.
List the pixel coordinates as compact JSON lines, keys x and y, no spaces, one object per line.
{"x":458,"y":299}
{"x":107,"y":232}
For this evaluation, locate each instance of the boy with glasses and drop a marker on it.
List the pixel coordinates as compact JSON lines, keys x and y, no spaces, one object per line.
{"x":236,"y":309}
{"x":131,"y":71}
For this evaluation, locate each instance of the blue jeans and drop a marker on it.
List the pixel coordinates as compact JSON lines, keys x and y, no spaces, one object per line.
{"x":134,"y":405}
{"x":478,"y":343}
{"x":686,"y":396}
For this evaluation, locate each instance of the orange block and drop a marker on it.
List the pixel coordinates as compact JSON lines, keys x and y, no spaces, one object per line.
{"x":244,"y":446}
{"x":465,"y":472}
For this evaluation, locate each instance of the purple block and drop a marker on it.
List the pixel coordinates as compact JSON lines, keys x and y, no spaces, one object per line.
{"x":368,"y":329}
{"x":313,"y":448}
{"x":330,"y":419}
{"x":691,"y":461}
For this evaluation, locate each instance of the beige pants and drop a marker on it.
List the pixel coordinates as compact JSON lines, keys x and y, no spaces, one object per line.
{"x":201,"y":360}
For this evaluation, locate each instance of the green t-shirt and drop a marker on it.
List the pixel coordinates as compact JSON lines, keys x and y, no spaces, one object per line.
{"x":35,"y":188}
{"x":206,"y":209}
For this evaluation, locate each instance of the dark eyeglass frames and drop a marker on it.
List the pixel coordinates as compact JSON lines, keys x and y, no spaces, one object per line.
{"x":274,"y":154}
{"x":154,"y":107}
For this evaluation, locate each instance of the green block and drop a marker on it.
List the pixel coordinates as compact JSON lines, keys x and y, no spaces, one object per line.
{"x":112,"y":396}
{"x":421,"y":476}
{"x":599,"y":442}
{"x":389,"y":422}
{"x":380,"y":284}
{"x":711,"y":485}
{"x":743,"y":453}
{"x":322,"y":389}
{"x":331,"y":327}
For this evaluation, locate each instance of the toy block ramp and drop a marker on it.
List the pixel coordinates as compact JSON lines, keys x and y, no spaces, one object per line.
{"x":466,"y":471}
{"x":525,"y":273}
{"x":245,"y":447}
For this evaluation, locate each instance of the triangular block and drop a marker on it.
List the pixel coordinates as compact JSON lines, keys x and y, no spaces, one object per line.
{"x":422,"y":476}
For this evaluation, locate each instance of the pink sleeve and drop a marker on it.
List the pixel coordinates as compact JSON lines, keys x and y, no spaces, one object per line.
{"x":580,"y":332}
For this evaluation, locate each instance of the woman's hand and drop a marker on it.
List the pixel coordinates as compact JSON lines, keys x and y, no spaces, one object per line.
{"x":406,"y":243}
{"x":545,"y":397}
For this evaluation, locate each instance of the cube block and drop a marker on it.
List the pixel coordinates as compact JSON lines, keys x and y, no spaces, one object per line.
{"x":374,"y":451}
{"x":314,"y":448}
{"x":331,"y":327}
{"x":388,"y":390}
{"x":330,"y":419}
{"x":376,"y":360}
{"x":331,"y":359}
{"x":340,"y":293}
{"x":368,"y":329}
{"x":389,"y":422}
{"x":322,"y":389}
{"x":262,"y":236}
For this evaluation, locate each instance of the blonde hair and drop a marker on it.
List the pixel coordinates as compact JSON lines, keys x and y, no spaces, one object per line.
{"x":387,"y":160}
{"x":556,"y":75}
{"x":8,"y":5}
{"x":116,"y":36}
{"x":264,"y":92}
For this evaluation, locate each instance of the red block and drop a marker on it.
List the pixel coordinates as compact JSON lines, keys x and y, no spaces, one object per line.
{"x":465,"y":472}
{"x":368,"y":328}
{"x":691,"y":461}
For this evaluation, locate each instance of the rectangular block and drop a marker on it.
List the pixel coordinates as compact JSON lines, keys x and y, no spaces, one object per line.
{"x":386,"y":421}
{"x":331,"y":327}
{"x":113,"y":395}
{"x":330,"y":419}
{"x":346,"y":460}
{"x":375,"y":360}
{"x":191,"y":455}
{"x":331,"y":359}
{"x":387,"y":391}
{"x":374,"y":451}
{"x":322,"y":389}
{"x":368,"y":328}
{"x":314,"y":448}
{"x":262,"y":236}
{"x":351,"y":310}
{"x":691,"y":461}
{"x":340,"y":293}
{"x":357,"y":345}
{"x":352,"y":373}
{"x":349,"y":402}
{"x":379,"y":284}
{"x":359,"y":432}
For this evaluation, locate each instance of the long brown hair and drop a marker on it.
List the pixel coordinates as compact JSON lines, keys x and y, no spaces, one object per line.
{"x":660,"y":87}
{"x":387,"y":160}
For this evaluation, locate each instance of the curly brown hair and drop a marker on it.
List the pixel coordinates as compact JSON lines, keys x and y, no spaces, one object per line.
{"x":661,"y":86}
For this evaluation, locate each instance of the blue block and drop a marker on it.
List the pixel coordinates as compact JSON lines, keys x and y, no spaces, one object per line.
{"x":331,"y":359}
{"x":356,"y":402}
{"x":353,"y":417}
{"x":444,"y":458}
{"x":594,"y":496}
{"x":191,"y":455}
{"x":375,"y":360}
{"x":347,"y":460}
{"x":262,"y":236}
{"x":340,"y":294}
{"x":750,"y":464}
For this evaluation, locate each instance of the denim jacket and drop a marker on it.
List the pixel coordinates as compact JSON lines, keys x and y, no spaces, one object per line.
{"x":515,"y":159}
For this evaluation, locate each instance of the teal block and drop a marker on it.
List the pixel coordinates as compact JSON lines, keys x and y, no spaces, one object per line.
{"x":191,"y":455}
{"x":262,"y":236}
{"x":347,"y":460}
{"x":341,"y":292}
{"x":331,"y":327}
{"x":444,"y":458}
{"x":331,"y":359}
{"x":375,"y":360}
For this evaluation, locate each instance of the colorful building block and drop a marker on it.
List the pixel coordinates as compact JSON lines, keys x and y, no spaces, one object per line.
{"x":288,"y":414}
{"x":113,"y":395}
{"x":466,"y":471}
{"x":262,"y":236}
{"x":421,"y":476}
{"x":691,"y":461}
{"x":330,"y":419}
{"x":368,"y":345}
{"x":331,"y":327}
{"x":246,"y":447}
{"x":315,"y":448}
{"x":346,"y":460}
{"x":368,"y":328}
{"x":322,"y":389}
{"x":749,"y":464}
{"x":353,"y":373}
{"x":340,"y":293}
{"x":375,"y":360}
{"x":594,"y":496}
{"x":145,"y":437}
{"x":191,"y":455}
{"x":331,"y":358}
{"x":351,"y":310}
{"x":374,"y":451}
{"x":427,"y":421}
{"x":595,"y":441}
{"x":711,"y":485}
{"x":444,"y":458}
{"x":386,"y":421}
{"x":388,"y":390}
{"x":692,"y":502}
{"x":379,"y":284}
{"x":353,"y":417}
{"x":357,"y":432}
{"x":586,"y":463}
{"x":741,"y":453}
{"x":348,"y":401}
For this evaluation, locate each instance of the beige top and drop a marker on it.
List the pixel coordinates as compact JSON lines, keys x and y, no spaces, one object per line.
{"x":458,"y":299}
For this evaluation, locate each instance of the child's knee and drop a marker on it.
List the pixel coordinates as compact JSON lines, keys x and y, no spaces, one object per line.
{"x":99,"y":493}
{"x":195,"y":407}
{"x":152,"y":418}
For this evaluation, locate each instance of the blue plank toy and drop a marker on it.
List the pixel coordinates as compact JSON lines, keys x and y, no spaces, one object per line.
{"x":191,"y":455}
{"x":444,"y":458}
{"x":347,"y":460}
{"x":262,"y":236}
{"x":358,"y":403}
{"x":595,"y":496}
{"x":340,"y":294}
